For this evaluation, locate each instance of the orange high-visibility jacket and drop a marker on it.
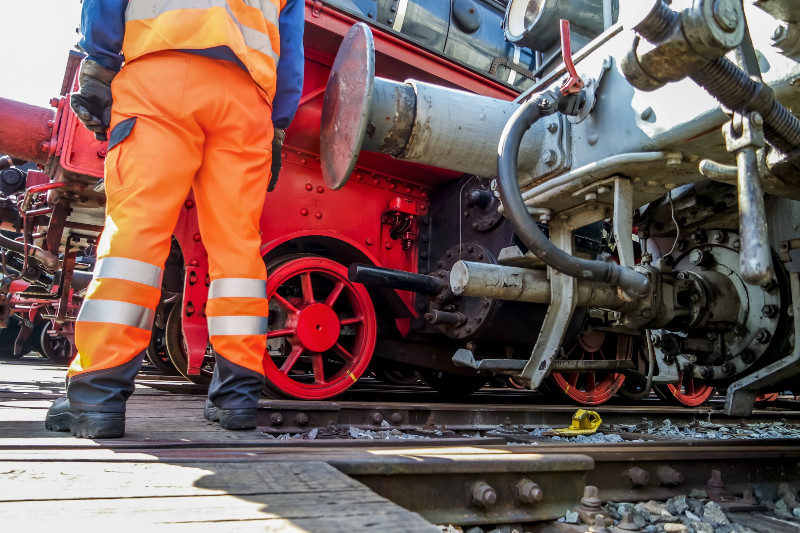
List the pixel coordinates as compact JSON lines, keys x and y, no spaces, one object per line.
{"x":248,"y":28}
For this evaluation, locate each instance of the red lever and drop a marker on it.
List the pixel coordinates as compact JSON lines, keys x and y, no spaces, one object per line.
{"x":573,"y":83}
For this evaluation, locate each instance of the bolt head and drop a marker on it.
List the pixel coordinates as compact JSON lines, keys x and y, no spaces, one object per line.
{"x":726,"y":15}
{"x":549,"y":157}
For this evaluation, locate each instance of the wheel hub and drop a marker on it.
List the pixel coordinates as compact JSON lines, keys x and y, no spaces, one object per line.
{"x":318,"y":327}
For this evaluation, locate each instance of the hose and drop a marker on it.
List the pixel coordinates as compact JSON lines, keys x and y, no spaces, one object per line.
{"x":631,"y":282}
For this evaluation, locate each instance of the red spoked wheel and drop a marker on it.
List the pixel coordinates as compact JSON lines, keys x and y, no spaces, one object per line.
{"x":322,"y":329}
{"x":593,"y":388}
{"x":689,"y":392}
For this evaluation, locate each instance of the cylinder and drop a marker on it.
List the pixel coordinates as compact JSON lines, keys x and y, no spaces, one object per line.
{"x":523,"y":285}
{"x":24,"y":130}
{"x":443,"y":127}
{"x":534,"y":23}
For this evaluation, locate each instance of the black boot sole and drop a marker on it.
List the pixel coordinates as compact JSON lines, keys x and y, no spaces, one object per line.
{"x":88,"y":425}
{"x":235,"y":419}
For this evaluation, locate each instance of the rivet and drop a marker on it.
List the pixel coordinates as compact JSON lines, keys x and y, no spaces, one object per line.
{"x":388,"y":245}
{"x":318,"y":214}
{"x":194,"y":263}
{"x":303,"y":161}
{"x":101,"y":152}
{"x":304,"y":212}
{"x":197,"y":237}
{"x":369,"y":241}
{"x":188,"y":204}
{"x":320,"y":189}
{"x":309,"y":187}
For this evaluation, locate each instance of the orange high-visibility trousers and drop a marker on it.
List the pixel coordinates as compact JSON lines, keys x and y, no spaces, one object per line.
{"x":180,"y":122}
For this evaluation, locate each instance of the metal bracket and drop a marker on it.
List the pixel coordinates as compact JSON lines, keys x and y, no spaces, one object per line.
{"x":623,"y":220}
{"x":742,"y":393}
{"x":564,"y":300}
{"x":756,"y":256}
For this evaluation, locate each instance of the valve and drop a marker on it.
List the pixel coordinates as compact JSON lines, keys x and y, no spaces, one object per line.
{"x":573,"y":83}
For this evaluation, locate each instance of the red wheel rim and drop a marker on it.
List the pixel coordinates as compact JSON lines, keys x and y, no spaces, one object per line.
{"x":689,"y":392}
{"x":594,"y":388}
{"x":326,"y":327}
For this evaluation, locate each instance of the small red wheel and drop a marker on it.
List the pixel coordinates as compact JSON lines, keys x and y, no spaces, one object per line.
{"x":322,"y":329}
{"x":593,"y":388}
{"x":689,"y":392}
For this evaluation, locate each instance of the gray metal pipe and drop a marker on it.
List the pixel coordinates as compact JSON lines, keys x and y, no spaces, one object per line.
{"x":523,"y":285}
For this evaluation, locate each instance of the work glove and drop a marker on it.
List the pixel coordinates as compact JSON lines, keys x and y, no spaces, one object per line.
{"x":92,"y":103}
{"x":277,"y":146}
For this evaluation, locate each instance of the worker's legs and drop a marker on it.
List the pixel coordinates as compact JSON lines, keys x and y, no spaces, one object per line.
{"x":229,"y":190}
{"x":155,"y":149}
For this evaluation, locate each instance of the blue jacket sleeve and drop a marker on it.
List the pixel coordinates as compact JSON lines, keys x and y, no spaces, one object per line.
{"x":102,"y":30}
{"x":290,"y":66}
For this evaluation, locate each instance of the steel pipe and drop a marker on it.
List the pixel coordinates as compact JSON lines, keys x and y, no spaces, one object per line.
{"x":523,"y":285}
{"x":25,"y":130}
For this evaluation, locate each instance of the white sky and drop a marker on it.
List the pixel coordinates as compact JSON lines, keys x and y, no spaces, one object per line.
{"x":36,"y":38}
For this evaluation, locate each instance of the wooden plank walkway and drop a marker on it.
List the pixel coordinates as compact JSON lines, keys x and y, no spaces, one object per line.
{"x":52,"y":479}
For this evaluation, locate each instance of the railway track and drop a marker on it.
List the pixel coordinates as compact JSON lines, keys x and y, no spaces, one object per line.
{"x":482,"y":465}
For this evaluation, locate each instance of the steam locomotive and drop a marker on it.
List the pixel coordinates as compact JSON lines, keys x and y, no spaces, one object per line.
{"x":589,"y":196}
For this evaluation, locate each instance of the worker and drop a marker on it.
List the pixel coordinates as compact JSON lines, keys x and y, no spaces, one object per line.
{"x":197,"y":87}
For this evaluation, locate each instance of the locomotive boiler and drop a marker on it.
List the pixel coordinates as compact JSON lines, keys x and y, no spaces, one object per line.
{"x":588,"y":196}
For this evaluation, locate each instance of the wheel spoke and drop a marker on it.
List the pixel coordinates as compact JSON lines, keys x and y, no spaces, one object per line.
{"x":308,"y":288}
{"x":295,"y":354}
{"x":350,"y":321}
{"x":281,"y":333}
{"x":347,"y":356}
{"x":334,"y":295}
{"x":591,"y":382}
{"x":283,"y":302}
{"x":319,"y":369}
{"x":572,"y":379}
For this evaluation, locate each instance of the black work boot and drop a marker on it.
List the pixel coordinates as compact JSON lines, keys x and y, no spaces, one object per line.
{"x":243,"y":418}
{"x":84,"y":424}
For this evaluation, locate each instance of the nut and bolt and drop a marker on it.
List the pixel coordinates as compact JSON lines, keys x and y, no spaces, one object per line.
{"x":396,"y":418}
{"x":716,"y":481}
{"x":725,"y":13}
{"x":275,"y":419}
{"x":552,"y":127}
{"x":636,"y":477}
{"x":698,"y":257}
{"x":376,"y":418}
{"x":628,"y":523}
{"x":599,"y":525}
{"x":769,"y":286}
{"x":718,"y":236}
{"x":301,"y":419}
{"x":590,"y":197}
{"x":763,"y":336}
{"x":528,"y":492}
{"x":646,"y":113}
{"x":549,"y":157}
{"x":706,"y":372}
{"x":699,"y":236}
{"x":748,"y":498}
{"x":769,"y":310}
{"x":591,"y":498}
{"x":482,"y":494}
{"x":737,"y":245}
{"x":670,"y":477}
{"x":728,"y":368}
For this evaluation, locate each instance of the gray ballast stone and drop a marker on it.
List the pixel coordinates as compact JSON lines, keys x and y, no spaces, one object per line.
{"x":713,"y":514}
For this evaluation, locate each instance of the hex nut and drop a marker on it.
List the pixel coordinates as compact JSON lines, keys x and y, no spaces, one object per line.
{"x":482,"y":494}
{"x":275,"y":419}
{"x":636,"y":477}
{"x":301,"y":419}
{"x":528,"y":492}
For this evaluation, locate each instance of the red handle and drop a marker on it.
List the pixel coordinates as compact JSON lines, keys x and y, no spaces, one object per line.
{"x":573,"y":83}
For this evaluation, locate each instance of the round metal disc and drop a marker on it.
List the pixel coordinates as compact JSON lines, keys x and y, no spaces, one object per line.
{"x":345,"y":110}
